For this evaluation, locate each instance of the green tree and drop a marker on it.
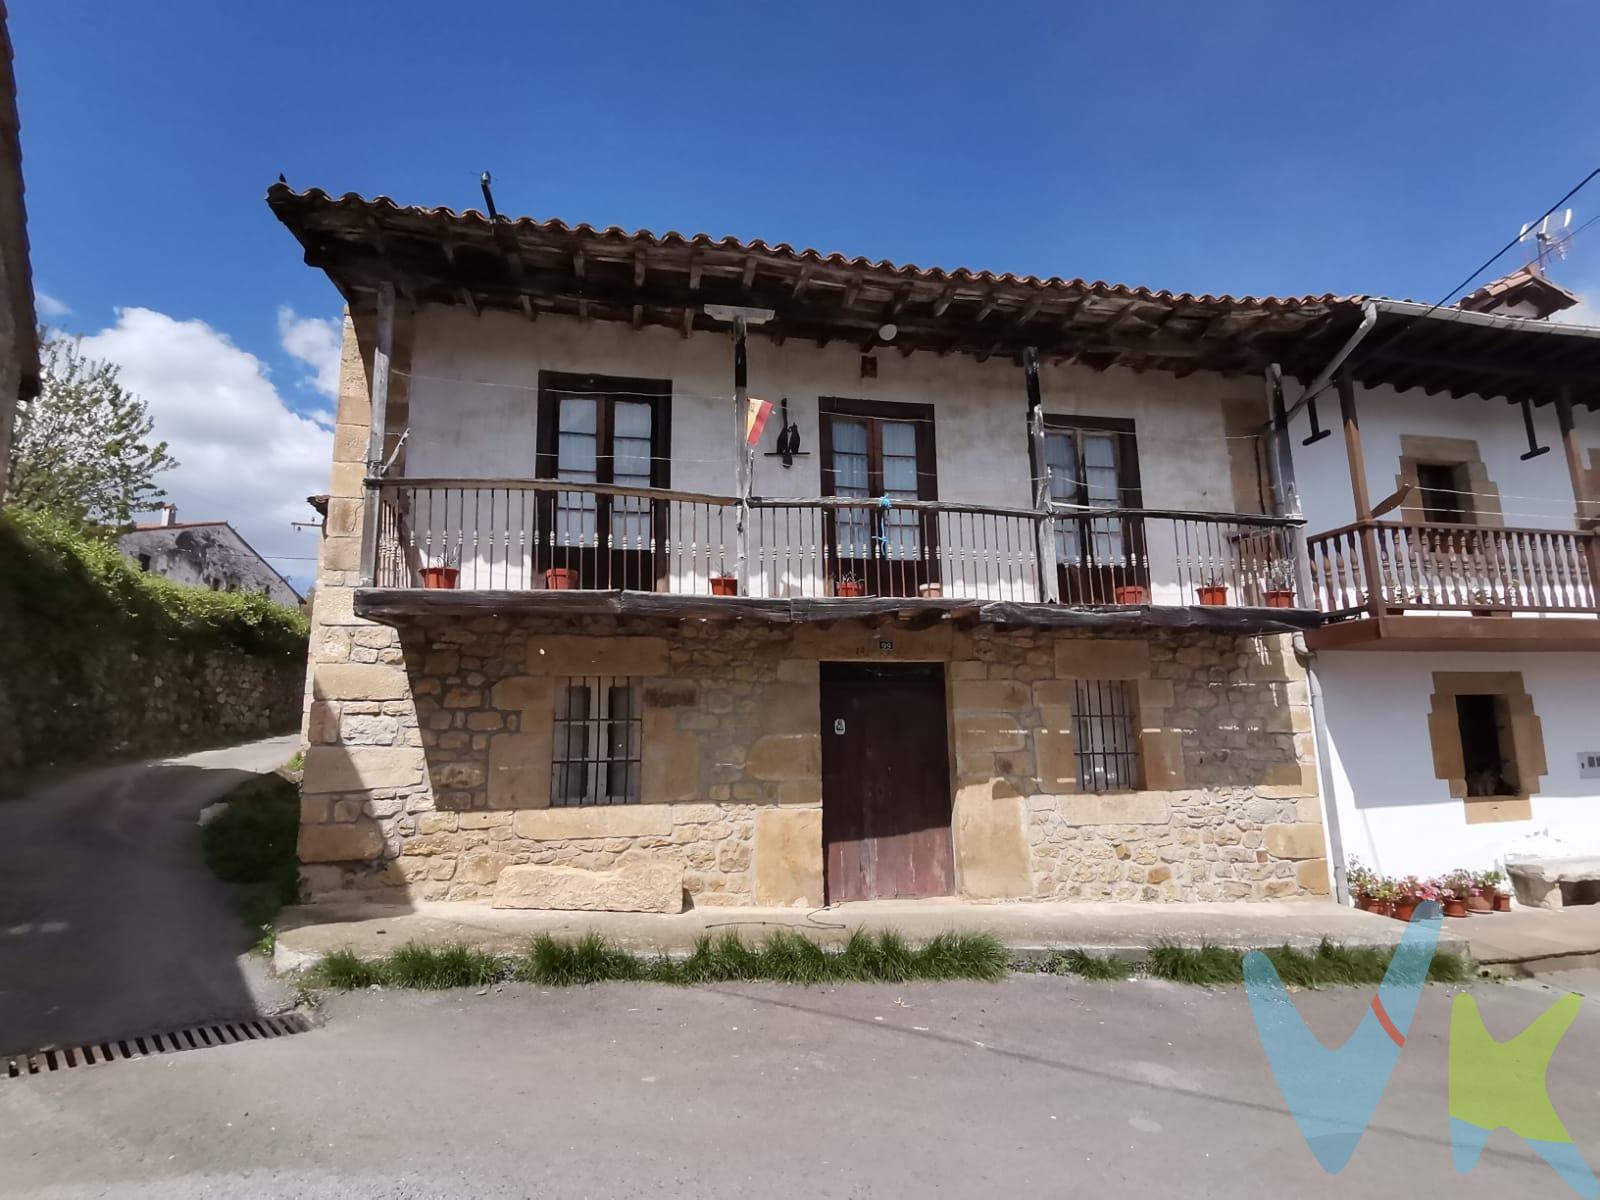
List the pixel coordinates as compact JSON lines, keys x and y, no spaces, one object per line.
{"x":82,"y":449}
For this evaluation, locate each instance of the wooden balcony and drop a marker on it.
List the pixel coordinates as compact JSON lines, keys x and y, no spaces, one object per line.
{"x":544,"y":545}
{"x":1442,"y":586}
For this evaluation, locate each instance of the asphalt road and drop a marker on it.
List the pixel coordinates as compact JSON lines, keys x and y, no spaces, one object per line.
{"x":1033,"y":1087}
{"x":109,"y":922}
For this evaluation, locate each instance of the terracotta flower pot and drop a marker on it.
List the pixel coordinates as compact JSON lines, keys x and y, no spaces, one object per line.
{"x":560,"y":579}
{"x":1502,"y":902}
{"x":1133,"y":594}
{"x":931,"y":591}
{"x":724,"y":585}
{"x":1479,"y":904}
{"x":1279,"y":598}
{"x":1384,"y":908}
{"x":440,"y":577}
{"x":1212,"y":595}
{"x":1405,"y":907}
{"x":1455,"y":908}
{"x":849,"y":587}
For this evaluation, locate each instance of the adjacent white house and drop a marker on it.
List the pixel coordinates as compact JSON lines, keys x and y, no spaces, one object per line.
{"x":208,"y":554}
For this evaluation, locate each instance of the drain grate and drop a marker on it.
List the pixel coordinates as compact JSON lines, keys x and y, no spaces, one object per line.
{"x":193,"y":1037}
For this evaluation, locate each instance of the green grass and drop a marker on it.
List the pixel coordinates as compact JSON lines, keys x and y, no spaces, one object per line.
{"x":784,"y":957}
{"x":790,"y":957}
{"x":1088,"y":966}
{"x":251,"y":843}
{"x":1329,"y":965}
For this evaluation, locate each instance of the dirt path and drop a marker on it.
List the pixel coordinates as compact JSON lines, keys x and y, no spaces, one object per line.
{"x":109,"y":922}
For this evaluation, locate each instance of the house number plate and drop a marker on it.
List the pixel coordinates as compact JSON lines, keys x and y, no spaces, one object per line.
{"x":838,"y":724}
{"x":1589,"y":764}
{"x":885,"y":644}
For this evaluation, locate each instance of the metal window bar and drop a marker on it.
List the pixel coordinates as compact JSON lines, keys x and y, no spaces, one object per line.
{"x":597,"y":747}
{"x":1103,"y":736}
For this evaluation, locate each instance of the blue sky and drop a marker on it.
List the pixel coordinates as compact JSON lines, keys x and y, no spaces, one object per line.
{"x":1241,"y":147}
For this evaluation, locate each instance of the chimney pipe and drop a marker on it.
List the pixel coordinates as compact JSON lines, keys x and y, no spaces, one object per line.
{"x":169,"y":514}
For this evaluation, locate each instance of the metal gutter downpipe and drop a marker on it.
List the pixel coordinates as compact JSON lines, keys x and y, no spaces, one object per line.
{"x":1369,"y":318}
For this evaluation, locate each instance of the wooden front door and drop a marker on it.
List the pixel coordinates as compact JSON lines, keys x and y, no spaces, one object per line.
{"x":597,"y":429}
{"x":885,"y":782}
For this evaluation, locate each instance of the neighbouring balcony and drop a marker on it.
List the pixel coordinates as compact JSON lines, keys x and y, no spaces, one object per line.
{"x":545,"y":535}
{"x":1378,"y":579}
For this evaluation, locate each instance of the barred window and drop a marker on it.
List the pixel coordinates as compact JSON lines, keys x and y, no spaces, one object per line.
{"x":1104,"y":736}
{"x":596,"y":752}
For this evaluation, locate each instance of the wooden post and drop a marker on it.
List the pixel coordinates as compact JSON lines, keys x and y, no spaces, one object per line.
{"x":1358,"y":493}
{"x":741,"y":410}
{"x":1044,"y":531}
{"x":378,"y":391}
{"x":1285,"y":491}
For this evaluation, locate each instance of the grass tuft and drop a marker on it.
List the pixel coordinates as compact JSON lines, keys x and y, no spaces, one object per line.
{"x":1207,"y":966}
{"x":1088,"y":966}
{"x":345,"y":971}
{"x":591,"y":959}
{"x":435,"y":968}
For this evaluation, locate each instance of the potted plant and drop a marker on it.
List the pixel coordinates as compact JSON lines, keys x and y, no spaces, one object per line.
{"x":1453,"y":889}
{"x":1279,"y":592}
{"x":1385,"y":895}
{"x":1361,"y":880}
{"x":724,"y":585}
{"x":443,"y":574}
{"x":1493,"y":885}
{"x":1132,"y":593}
{"x":1480,"y":899}
{"x":561,"y":579}
{"x":1214,"y":591}
{"x":931,"y":591}
{"x":848,"y":585}
{"x":1412,"y":893}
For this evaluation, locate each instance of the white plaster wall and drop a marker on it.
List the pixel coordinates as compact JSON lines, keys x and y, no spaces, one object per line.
{"x":1536,"y":494}
{"x":1395,"y":816}
{"x":474,"y":395}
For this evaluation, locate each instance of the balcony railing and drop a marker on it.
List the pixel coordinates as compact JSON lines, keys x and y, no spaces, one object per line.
{"x":1438,"y":567}
{"x":535,"y":534}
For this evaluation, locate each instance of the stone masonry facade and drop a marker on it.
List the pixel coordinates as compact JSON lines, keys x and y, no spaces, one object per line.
{"x":429,"y":751}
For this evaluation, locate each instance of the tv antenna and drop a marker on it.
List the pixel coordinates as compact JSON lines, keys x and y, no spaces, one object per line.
{"x":1550,"y":238}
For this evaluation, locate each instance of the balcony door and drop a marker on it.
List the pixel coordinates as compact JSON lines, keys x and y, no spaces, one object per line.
{"x":883,"y":452}
{"x":1094,"y":464}
{"x":604,"y":430}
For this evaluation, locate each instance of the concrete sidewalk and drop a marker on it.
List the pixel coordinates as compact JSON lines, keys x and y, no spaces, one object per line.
{"x":1534,"y":941}
{"x":308,"y":932}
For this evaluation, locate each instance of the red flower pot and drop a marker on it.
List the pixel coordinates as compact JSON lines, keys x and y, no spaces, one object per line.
{"x":1384,"y":908}
{"x":846,"y":587}
{"x":1212,"y":595}
{"x":1455,"y":908}
{"x":1279,"y":598}
{"x":1479,"y":904}
{"x":1404,"y":908}
{"x":561,"y":579}
{"x":724,"y":585}
{"x":440,"y":577}
{"x":1502,"y":902}
{"x":1133,"y":594}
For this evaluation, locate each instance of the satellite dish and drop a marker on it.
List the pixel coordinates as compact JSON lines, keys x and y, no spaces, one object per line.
{"x":886,"y":332}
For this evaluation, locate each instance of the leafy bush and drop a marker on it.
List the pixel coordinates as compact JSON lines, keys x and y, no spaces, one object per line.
{"x":252,"y":843}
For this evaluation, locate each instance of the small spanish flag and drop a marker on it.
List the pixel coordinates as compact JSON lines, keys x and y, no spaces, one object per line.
{"x":755,"y":419}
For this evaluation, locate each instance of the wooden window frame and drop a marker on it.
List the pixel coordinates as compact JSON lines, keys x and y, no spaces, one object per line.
{"x":888,"y":580}
{"x":1086,"y":585}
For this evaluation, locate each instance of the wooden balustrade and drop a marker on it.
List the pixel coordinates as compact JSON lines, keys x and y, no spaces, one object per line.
{"x":1440,"y":567}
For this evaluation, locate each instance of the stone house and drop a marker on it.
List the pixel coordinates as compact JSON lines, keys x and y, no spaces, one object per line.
{"x":665,"y":570}
{"x":208,"y":554}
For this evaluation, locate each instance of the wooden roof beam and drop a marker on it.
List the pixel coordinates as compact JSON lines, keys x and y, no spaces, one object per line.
{"x":943,"y":300}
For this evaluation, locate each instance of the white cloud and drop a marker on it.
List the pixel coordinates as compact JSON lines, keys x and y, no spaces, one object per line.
{"x":1585,"y":312}
{"x":315,"y":341}
{"x":48,"y":306}
{"x":245,"y":456}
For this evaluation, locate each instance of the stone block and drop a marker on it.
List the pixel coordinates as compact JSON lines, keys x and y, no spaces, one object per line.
{"x":633,"y":887}
{"x":525,"y":693}
{"x":1161,"y":751}
{"x":671,"y":693}
{"x":799,"y":670}
{"x":671,"y":767}
{"x":989,"y":735}
{"x":355,"y":842}
{"x":519,"y":769}
{"x":1055,"y":752}
{"x":1287,"y":780}
{"x":800,"y":792}
{"x":361,"y":768}
{"x":481,"y":868}
{"x":788,"y":857}
{"x":1155,"y":697}
{"x":322,"y":723}
{"x":1295,"y":841}
{"x":1102,"y":658}
{"x":991,"y":695}
{"x":593,"y":821}
{"x":358,"y":681}
{"x":1115,"y":808}
{"x":851,"y":641}
{"x":991,"y":847}
{"x":1312,"y":876}
{"x":795,"y":709}
{"x":565,"y":654}
{"x":785,"y":756}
